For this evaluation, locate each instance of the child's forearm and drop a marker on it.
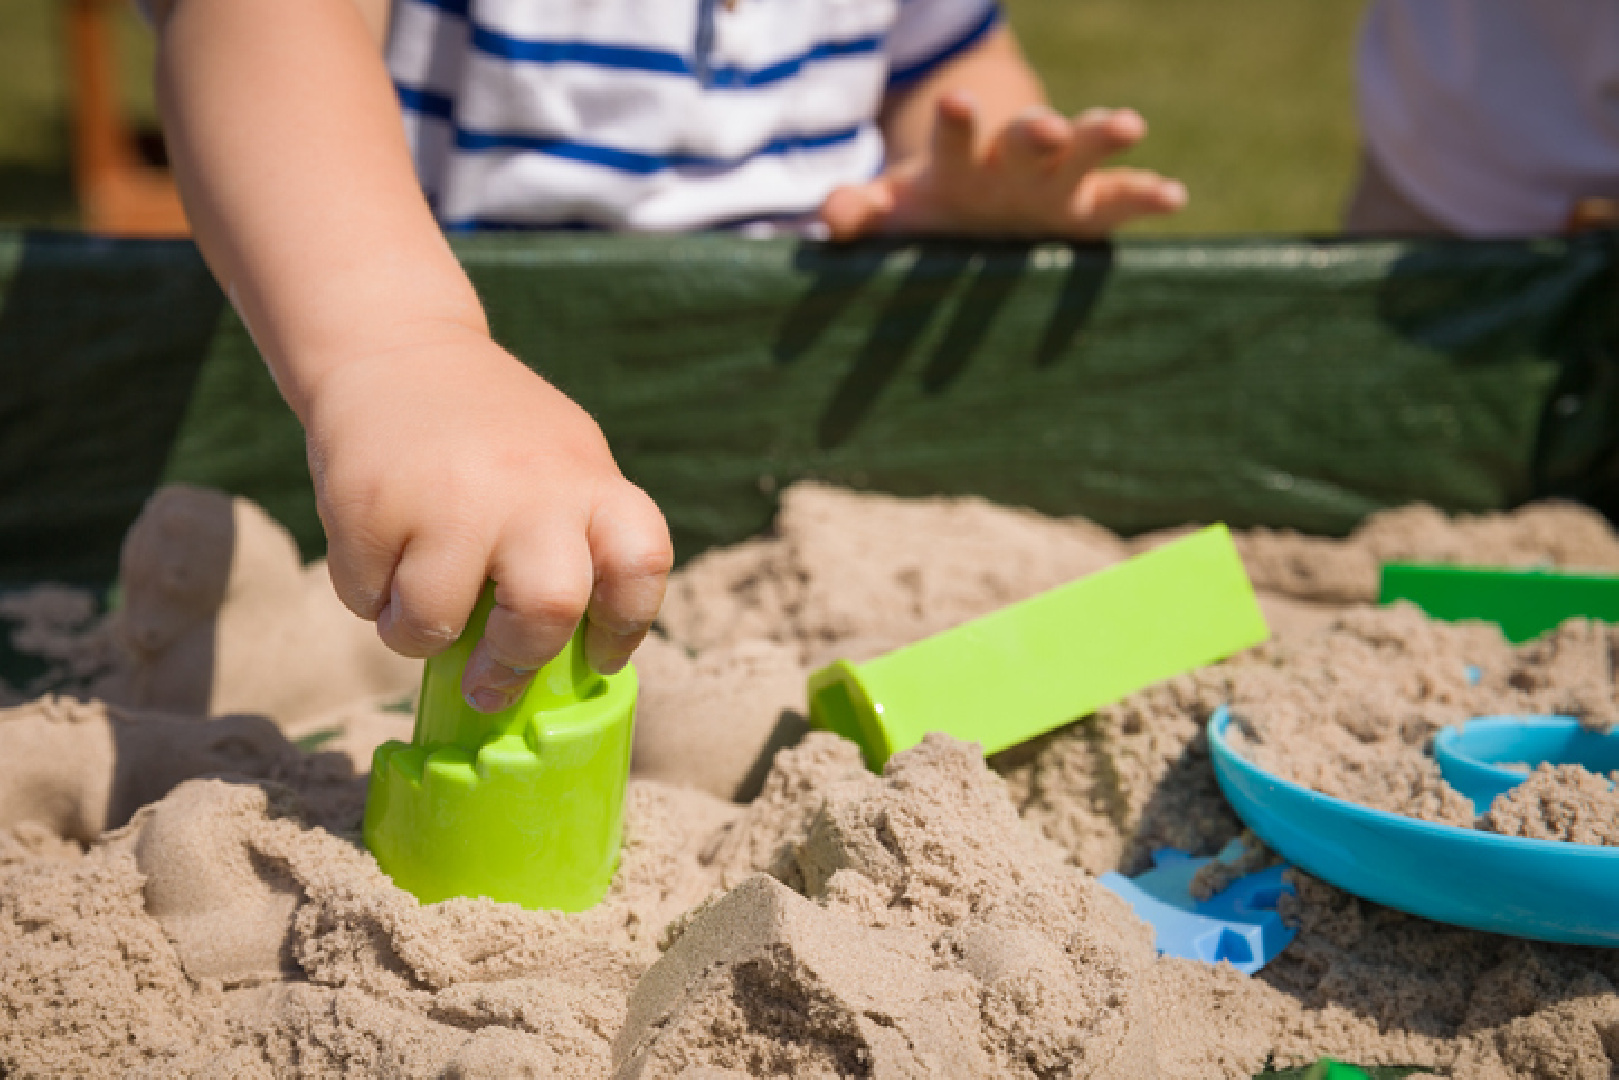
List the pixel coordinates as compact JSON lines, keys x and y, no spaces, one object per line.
{"x":290,"y":153}
{"x":994,"y":72}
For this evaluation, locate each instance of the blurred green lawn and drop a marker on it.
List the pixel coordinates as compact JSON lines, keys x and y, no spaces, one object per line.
{"x":1249,"y":101}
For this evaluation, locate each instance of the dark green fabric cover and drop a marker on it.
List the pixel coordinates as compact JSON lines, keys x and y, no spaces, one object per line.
{"x":1282,"y":382}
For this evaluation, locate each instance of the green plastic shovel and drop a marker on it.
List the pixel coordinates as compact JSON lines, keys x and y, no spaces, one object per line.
{"x":524,"y":805}
{"x":1002,"y":679}
{"x":1524,"y":602}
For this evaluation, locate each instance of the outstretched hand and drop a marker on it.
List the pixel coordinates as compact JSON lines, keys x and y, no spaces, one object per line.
{"x":1039,"y":175}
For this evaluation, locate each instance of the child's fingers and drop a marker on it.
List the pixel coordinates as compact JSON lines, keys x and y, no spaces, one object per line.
{"x":542,"y":585}
{"x":955,"y":130}
{"x":360,"y":568}
{"x":1038,"y":138}
{"x":1115,"y":196}
{"x":433,"y":590}
{"x":1098,"y":134}
{"x":629,"y":545}
{"x":360,"y":561}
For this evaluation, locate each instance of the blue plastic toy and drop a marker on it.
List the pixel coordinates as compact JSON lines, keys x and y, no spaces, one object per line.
{"x":1540,"y":889}
{"x":1468,"y":758}
{"x":1239,"y":924}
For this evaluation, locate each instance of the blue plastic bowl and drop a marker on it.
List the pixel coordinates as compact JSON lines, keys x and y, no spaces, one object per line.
{"x":1539,"y":889}
{"x":1469,"y":758}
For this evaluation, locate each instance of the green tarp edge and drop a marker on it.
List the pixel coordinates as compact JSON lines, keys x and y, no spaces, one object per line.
{"x":1282,"y":382}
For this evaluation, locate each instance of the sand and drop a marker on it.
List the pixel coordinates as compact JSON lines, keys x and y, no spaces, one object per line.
{"x":185,"y":895}
{"x":1312,"y":568}
{"x":218,"y":615}
{"x":1392,"y":679}
{"x":1558,"y":802}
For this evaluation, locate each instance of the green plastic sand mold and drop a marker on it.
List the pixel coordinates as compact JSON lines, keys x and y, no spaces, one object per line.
{"x":1328,"y":1069}
{"x":1016,"y":673}
{"x":525,"y":805}
{"x":1524,"y":602}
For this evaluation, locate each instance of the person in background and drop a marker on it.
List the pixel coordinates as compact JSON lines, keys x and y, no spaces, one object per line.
{"x":439,"y":460}
{"x":1488,"y":118}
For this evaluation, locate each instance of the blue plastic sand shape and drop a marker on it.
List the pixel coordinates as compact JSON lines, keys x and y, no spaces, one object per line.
{"x":1470,"y":758}
{"x":1239,"y":924}
{"x":1542,"y":889}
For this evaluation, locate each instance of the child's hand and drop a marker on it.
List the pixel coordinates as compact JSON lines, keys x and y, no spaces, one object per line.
{"x":439,"y":461}
{"x":444,"y":463}
{"x":1039,"y":175}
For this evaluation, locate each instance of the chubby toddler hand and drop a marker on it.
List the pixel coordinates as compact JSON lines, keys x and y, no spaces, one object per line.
{"x":441,"y":464}
{"x":1039,"y":175}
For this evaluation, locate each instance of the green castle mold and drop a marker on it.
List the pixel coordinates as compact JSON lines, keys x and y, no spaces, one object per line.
{"x":525,"y":805}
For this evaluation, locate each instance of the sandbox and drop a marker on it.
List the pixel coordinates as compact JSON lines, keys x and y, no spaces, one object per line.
{"x":182,"y":895}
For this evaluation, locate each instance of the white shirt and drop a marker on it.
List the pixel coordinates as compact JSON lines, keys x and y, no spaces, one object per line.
{"x":1493,"y":116}
{"x":656,"y":114}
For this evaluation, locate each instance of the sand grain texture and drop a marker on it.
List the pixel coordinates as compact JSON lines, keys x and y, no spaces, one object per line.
{"x":1558,"y":802}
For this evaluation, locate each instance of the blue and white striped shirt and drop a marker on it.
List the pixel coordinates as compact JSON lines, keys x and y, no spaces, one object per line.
{"x":656,"y":114}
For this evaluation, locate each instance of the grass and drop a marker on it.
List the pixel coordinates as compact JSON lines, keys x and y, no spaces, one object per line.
{"x":34,"y":182}
{"x":1249,"y":101}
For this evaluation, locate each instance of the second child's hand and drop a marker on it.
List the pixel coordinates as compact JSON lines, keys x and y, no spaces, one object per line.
{"x":1041,"y":174}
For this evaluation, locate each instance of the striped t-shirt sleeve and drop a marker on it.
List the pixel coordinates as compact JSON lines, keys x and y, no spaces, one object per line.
{"x":928,"y":33}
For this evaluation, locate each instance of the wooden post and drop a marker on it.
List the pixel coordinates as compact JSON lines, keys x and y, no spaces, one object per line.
{"x":118,"y":193}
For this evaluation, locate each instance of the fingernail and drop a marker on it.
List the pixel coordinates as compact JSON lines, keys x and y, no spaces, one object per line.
{"x":610,"y":657}
{"x":487,"y":700}
{"x":385,"y":620}
{"x":484,"y":670}
{"x":501,"y":677}
{"x":610,"y":664}
{"x":490,"y":686}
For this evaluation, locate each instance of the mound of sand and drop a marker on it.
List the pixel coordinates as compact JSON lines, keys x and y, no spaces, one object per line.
{"x":180,"y":895}
{"x":1558,"y":802}
{"x":875,"y":571}
{"x":217,"y":615}
{"x":1346,"y":571}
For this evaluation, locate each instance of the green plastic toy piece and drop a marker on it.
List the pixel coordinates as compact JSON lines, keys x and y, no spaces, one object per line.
{"x":1009,"y":676}
{"x":524,"y":806}
{"x":1525,"y":603}
{"x":1328,"y":1069}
